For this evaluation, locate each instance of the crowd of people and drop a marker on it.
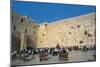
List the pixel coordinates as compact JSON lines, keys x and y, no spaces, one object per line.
{"x":44,"y":52}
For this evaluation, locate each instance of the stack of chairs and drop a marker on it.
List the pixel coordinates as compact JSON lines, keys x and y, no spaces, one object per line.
{"x":63,"y":55}
{"x":43,"y":55}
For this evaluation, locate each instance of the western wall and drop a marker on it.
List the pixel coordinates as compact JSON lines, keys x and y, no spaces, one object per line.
{"x":77,"y":31}
{"x":73,"y":31}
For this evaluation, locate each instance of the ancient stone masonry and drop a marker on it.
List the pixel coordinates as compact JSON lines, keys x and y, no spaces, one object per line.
{"x":24,"y":32}
{"x":68,"y":32}
{"x":78,"y":31}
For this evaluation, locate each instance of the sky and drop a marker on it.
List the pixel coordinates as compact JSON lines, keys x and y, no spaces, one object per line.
{"x":50,"y":12}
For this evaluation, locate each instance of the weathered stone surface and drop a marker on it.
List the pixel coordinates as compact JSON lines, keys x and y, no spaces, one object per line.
{"x":22,"y":25}
{"x":68,"y":32}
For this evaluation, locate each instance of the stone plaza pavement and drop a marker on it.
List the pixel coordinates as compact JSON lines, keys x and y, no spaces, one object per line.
{"x":74,"y":56}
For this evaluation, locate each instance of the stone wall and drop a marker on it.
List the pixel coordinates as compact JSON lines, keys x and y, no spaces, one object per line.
{"x":68,"y":32}
{"x":23,"y":25}
{"x":77,"y":31}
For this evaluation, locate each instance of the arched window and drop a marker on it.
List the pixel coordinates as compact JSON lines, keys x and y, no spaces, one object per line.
{"x":25,"y":30}
{"x":22,"y":20}
{"x":14,"y":27}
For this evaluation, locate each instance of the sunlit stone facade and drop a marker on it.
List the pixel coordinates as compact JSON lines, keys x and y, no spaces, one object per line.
{"x":73,"y":31}
{"x":68,"y":32}
{"x":24,"y":32}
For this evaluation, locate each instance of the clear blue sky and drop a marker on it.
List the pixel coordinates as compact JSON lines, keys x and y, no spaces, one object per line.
{"x":47,"y":12}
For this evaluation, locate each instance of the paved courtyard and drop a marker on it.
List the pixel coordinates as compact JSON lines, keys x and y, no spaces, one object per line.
{"x":74,"y":56}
